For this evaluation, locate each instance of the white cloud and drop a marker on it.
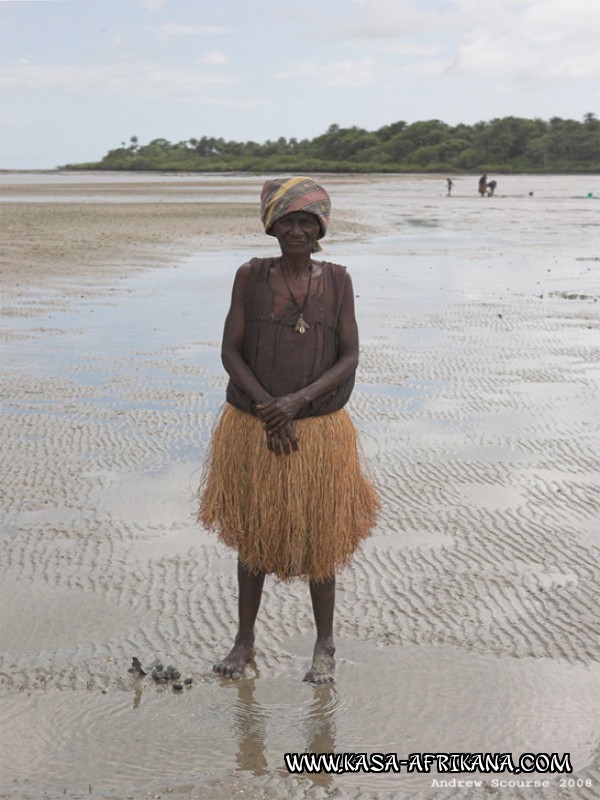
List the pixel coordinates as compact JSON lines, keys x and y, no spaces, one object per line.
{"x":246,"y":103}
{"x":213,"y":58}
{"x":344,"y":74}
{"x":431,"y":67}
{"x":536,"y":40}
{"x":381,"y":19}
{"x":175,"y":29}
{"x":484,"y":54}
{"x":153,"y":5}
{"x":139,"y":81}
{"x":406,"y":50}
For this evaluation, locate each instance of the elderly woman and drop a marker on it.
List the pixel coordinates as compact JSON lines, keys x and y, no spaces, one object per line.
{"x":283,"y":484}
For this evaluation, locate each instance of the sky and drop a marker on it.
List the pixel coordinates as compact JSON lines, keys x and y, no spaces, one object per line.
{"x":79,"y":77}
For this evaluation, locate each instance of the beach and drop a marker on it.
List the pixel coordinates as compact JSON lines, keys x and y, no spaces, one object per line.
{"x":468,"y":622}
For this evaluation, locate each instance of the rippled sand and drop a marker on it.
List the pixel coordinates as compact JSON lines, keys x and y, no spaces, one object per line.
{"x":469,"y":621}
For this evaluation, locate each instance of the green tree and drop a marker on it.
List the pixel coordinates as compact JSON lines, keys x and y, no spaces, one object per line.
{"x":507,"y":144}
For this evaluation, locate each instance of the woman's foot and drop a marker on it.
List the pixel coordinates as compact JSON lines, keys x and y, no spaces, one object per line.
{"x":322,"y":669}
{"x":232,"y":666}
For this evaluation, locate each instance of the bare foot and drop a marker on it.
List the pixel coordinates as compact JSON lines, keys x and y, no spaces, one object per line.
{"x":322,"y":669}
{"x":233,"y":664}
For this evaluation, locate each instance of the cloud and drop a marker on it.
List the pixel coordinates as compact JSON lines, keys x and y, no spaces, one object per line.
{"x":213,"y":58}
{"x":534,"y":40}
{"x":482,"y":53}
{"x":246,"y":103}
{"x":431,"y":67}
{"x":384,"y":19}
{"x":531,"y":40}
{"x":175,"y":29}
{"x":343,"y":74}
{"x":153,"y":5}
{"x":123,"y":80}
{"x":406,"y":50}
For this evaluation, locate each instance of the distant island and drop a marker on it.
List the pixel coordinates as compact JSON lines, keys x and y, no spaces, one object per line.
{"x":507,"y":145}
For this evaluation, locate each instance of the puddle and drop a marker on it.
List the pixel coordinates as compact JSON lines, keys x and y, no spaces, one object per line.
{"x":388,"y":699}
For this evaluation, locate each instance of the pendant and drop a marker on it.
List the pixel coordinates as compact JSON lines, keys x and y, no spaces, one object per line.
{"x":302,"y":326}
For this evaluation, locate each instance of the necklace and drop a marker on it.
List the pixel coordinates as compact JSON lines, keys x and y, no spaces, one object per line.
{"x":301,"y":325}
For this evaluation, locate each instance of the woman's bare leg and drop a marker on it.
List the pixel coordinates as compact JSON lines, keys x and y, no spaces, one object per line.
{"x":249,"y":595}
{"x":323,"y":602}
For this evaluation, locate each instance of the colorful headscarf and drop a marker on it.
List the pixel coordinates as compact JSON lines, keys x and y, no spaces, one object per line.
{"x":283,"y":196}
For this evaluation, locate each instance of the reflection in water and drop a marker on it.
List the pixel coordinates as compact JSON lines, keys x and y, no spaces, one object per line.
{"x":137,"y":694}
{"x":251,"y":728}
{"x":320,"y":727}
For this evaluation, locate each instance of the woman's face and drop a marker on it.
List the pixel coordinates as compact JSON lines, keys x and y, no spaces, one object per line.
{"x":297,"y":232}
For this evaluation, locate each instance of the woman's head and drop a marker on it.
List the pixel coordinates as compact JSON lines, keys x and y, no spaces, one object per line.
{"x":283,"y":196}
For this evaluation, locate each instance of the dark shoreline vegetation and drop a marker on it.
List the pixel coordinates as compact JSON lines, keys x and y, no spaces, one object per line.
{"x":507,"y":145}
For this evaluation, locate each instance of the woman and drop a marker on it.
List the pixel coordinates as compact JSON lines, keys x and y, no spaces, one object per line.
{"x":283,"y":484}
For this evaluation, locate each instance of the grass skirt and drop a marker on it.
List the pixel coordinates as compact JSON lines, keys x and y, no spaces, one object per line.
{"x":298,"y":514}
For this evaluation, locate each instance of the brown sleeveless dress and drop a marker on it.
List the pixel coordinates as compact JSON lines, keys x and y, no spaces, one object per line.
{"x":283,"y":360}
{"x":306,"y":513}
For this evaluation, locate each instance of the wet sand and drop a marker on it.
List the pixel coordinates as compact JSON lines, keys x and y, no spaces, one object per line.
{"x":469,"y":621}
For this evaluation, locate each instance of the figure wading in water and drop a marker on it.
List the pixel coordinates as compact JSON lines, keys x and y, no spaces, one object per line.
{"x":283,"y":484}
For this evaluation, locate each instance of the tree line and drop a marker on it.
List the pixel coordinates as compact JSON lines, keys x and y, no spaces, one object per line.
{"x":505,"y":145}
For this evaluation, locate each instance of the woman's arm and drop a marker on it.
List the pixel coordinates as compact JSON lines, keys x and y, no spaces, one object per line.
{"x":237,"y":369}
{"x":278,"y":412}
{"x":233,"y":341}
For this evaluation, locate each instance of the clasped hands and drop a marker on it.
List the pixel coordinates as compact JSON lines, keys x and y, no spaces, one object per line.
{"x":277,"y":415}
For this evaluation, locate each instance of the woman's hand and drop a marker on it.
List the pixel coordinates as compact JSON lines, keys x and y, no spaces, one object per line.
{"x":279,"y":412}
{"x":284,"y":439}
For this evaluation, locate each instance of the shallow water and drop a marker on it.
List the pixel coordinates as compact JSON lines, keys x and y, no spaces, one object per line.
{"x":425,"y":699}
{"x":467,"y":622}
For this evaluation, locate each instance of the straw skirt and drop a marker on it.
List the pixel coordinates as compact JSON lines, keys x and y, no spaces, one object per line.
{"x":302,"y":514}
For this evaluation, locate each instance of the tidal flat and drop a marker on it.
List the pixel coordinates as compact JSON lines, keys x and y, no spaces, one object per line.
{"x":468,"y":622}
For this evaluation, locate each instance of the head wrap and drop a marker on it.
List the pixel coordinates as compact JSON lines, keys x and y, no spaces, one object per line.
{"x":283,"y":196}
